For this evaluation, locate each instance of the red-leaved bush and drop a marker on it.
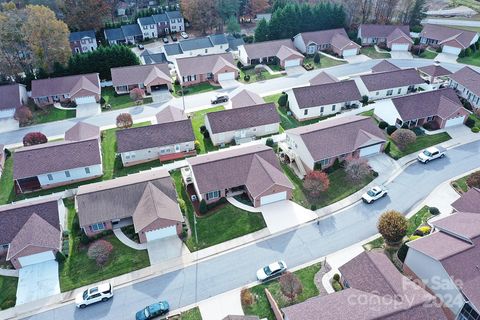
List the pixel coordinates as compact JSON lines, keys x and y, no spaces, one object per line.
{"x":100,"y":251}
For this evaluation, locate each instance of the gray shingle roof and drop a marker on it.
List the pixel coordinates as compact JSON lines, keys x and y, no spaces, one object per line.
{"x":146,"y":74}
{"x":392,"y":79}
{"x":157,"y":135}
{"x":161,"y":17}
{"x":468,"y":202}
{"x":322,"y":36}
{"x":114,"y":34}
{"x":10,"y":94}
{"x":266,"y":49}
{"x":174,"y":14}
{"x":153,"y":58}
{"x":384,"y":66}
{"x":322,"y":78}
{"x":444,"y":33}
{"x":79,"y":35}
{"x":131,"y":30}
{"x":195,"y":44}
{"x":84,"y":84}
{"x":243,"y":118}
{"x":381,"y":30}
{"x":146,"y":20}
{"x":327,"y":93}
{"x":170,"y":114}
{"x":204,"y":64}
{"x":233,"y":42}
{"x":172,"y":49}
{"x":468,"y":78}
{"x":55,"y":156}
{"x":435,"y":70}
{"x":217,"y":39}
{"x":245,"y":98}
{"x":82,"y":131}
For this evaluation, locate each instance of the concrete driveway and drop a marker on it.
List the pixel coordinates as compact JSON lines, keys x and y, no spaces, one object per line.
{"x":161,"y":96}
{"x":285,"y":214}
{"x":37,"y":281}
{"x":357,"y":59}
{"x":293,"y":71}
{"x":400,"y":55}
{"x":165,"y":249}
{"x":446,"y":57}
{"x":382,"y":164}
{"x":230,"y":84}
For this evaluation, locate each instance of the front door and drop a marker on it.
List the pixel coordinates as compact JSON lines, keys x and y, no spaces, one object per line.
{"x":177,"y":148}
{"x":243,"y":133}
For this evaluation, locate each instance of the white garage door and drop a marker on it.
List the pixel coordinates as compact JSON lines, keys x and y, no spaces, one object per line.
{"x":370,"y":150}
{"x":36,"y":258}
{"x":452,"y":50}
{"x":400,"y":47}
{"x":161,"y":233}
{"x":350,"y":52}
{"x":292,"y":63}
{"x":273,"y":198}
{"x":454,"y":121}
{"x":226,"y":76}
{"x":85,"y":100}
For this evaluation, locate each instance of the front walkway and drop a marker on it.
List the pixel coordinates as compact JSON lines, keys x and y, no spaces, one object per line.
{"x":284,"y":215}
{"x":127,"y":241}
{"x":242,"y":206}
{"x":37,"y":281}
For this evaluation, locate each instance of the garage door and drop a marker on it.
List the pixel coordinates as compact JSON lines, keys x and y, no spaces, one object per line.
{"x":226,"y":76}
{"x":400,"y":47}
{"x":370,"y":150}
{"x":454,"y":121}
{"x":36,"y":258}
{"x":159,"y":87}
{"x":350,"y":52}
{"x":273,"y":198}
{"x":161,"y":233}
{"x":85,"y":100}
{"x":292,"y":63}
{"x":452,"y":50}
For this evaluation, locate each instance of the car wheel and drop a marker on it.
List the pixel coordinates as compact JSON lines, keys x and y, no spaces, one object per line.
{"x":104,"y":299}
{"x":384,"y":194}
{"x":442,"y":156}
{"x":82,"y":306}
{"x":427,"y":161}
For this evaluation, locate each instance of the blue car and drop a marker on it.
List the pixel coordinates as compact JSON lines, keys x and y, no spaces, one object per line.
{"x":154,"y":310}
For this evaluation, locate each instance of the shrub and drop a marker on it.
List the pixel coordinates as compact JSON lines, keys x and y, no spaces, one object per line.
{"x":239,"y":64}
{"x":197,"y":145}
{"x":425,"y":229}
{"x":431,"y":126}
{"x":203,"y":129}
{"x":246,"y":297}
{"x":84,"y":239}
{"x":34,"y":138}
{"x":468,"y":52}
{"x":124,"y":120}
{"x":269,"y":142}
{"x":473,"y":181}
{"x":181,"y":204}
{"x":246,"y":77}
{"x":434,"y":211}
{"x":177,"y":82}
{"x":416,"y":29}
{"x":313,"y":207}
{"x":461,"y":54}
{"x":364,"y":99}
{"x":316,"y":57}
{"x":137,"y":94}
{"x":416,"y":41}
{"x":439,"y":49}
{"x":23,"y":115}
{"x":316,"y":182}
{"x":413,"y":237}
{"x":102,"y":101}
{"x":475,"y":129}
{"x":383,"y":125}
{"x":357,"y":170}
{"x":290,"y":285}
{"x":282,"y":100}
{"x":418,"y":131}
{"x":387,"y":148}
{"x":404,"y":126}
{"x":403,"y":138}
{"x":206,"y":134}
{"x":203,"y":207}
{"x":391,"y":129}
{"x":59,"y":257}
{"x":470,"y":122}
{"x":393,"y":226}
{"x":402,"y":252}
{"x":337,"y":286}
{"x":317,"y":166}
{"x":100,"y":251}
{"x":336,"y":277}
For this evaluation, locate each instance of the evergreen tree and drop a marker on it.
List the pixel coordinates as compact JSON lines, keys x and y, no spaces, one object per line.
{"x":417,"y":13}
{"x":261,"y":32}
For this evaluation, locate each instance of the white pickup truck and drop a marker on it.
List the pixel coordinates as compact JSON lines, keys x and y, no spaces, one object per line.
{"x":431,"y":153}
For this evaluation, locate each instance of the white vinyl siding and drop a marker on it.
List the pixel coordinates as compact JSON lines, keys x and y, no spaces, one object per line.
{"x":74,"y":174}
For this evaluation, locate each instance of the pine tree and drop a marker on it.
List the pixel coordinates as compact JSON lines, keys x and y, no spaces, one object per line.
{"x":261,"y":32}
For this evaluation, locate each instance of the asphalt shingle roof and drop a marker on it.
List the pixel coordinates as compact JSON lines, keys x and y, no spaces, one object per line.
{"x":381,"y":30}
{"x":10,"y":96}
{"x":327,"y":93}
{"x":384,"y":66}
{"x":114,"y":34}
{"x":444,"y":33}
{"x":174,"y":14}
{"x":172,"y":49}
{"x":131,"y":30}
{"x":468,"y":78}
{"x":195,"y":44}
{"x":468,"y":202}
{"x":391,"y":79}
{"x":79,"y":35}
{"x":435,"y":70}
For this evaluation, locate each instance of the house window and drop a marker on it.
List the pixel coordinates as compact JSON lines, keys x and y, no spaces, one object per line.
{"x":321,"y":109}
{"x":324,"y":162}
{"x":399,"y":90}
{"x":97,"y":226}
{"x":468,"y":313}
{"x":430,"y":118}
{"x":213,"y":195}
{"x":389,"y":92}
{"x":206,"y":50}
{"x":378,"y":92}
{"x":333,"y":107}
{"x":67,"y":174}
{"x":50,"y":177}
{"x":305,"y":112}
{"x":87,"y":170}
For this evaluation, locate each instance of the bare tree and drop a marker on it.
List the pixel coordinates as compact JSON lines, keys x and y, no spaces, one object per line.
{"x":366,"y":10}
{"x":290,"y":285}
{"x":357,"y":170}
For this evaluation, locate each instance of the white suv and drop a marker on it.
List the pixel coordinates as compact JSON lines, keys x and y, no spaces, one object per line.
{"x":92,"y":295}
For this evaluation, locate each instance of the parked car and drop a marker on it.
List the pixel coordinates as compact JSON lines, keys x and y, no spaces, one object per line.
{"x":174,"y":37}
{"x":219,"y":98}
{"x":140,"y":46}
{"x":430,"y":154}
{"x":374,"y":194}
{"x":92,"y":295}
{"x":271,"y":271}
{"x":165,"y":40}
{"x":154,"y":310}
{"x":184,"y":35}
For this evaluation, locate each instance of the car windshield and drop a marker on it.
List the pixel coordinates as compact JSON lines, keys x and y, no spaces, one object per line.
{"x":427,"y":153}
{"x":371,"y":193}
{"x":267,"y":270}
{"x":147,"y":314}
{"x":85,"y":294}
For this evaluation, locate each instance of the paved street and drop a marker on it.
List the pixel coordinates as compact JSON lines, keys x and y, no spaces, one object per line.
{"x":237,"y":268}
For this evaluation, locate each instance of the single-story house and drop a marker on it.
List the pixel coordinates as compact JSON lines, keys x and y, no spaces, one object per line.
{"x":384,"y":66}
{"x":242,"y":124}
{"x":323,"y":78}
{"x":147,"y":200}
{"x":335,"y":40}
{"x":245,"y":98}
{"x":395,"y":37}
{"x":324,"y":99}
{"x":82,"y":131}
{"x":253,"y":170}
{"x":441,"y":107}
{"x":31,"y":231}
{"x":383,"y":85}
{"x":212,"y":44}
{"x":163,"y":141}
{"x":446,"y":263}
{"x":435,"y":75}
{"x":83,"y":88}
{"x":129,"y":34}
{"x":320,"y":144}
{"x":451,"y":40}
{"x":83,"y":41}
{"x":468,"y":201}
{"x":53,"y":164}
{"x":466,"y":83}
{"x":214,"y":67}
{"x":170,"y":114}
{"x":281,"y":52}
{"x":150,"y":77}
{"x":13,"y":96}
{"x":373,"y":289}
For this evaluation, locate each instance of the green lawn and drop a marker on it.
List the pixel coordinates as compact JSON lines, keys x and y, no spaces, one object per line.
{"x":198,"y":88}
{"x":421,"y":143}
{"x":368,"y":113}
{"x":119,"y":101}
{"x":427,"y":55}
{"x":6,"y":182}
{"x":222,"y":224}
{"x":415,"y":221}
{"x":192,"y":314}
{"x":261,"y":307}
{"x":372,"y":53}
{"x":198,"y":120}
{"x":325,"y":62}
{"x":340,"y":188}
{"x":78,"y":270}
{"x":474,"y":59}
{"x":8,"y":292}
{"x":49,"y":114}
{"x":265,"y":75}
{"x":461,"y":184}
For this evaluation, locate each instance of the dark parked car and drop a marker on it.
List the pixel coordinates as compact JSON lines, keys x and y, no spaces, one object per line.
{"x":165,"y":40}
{"x":174,"y":37}
{"x":219,"y":98}
{"x":154,"y":310}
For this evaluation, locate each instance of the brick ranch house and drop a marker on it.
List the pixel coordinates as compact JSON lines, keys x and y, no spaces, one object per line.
{"x":147,"y":200}
{"x":214,"y":68}
{"x":31,"y":231}
{"x":451,"y":40}
{"x":335,"y":40}
{"x":151,"y":78}
{"x":253,"y":170}
{"x":394,"y":37}
{"x":13,"y":96}
{"x":281,"y":52}
{"x":466,"y":83}
{"x":441,"y":107}
{"x":319,"y":145}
